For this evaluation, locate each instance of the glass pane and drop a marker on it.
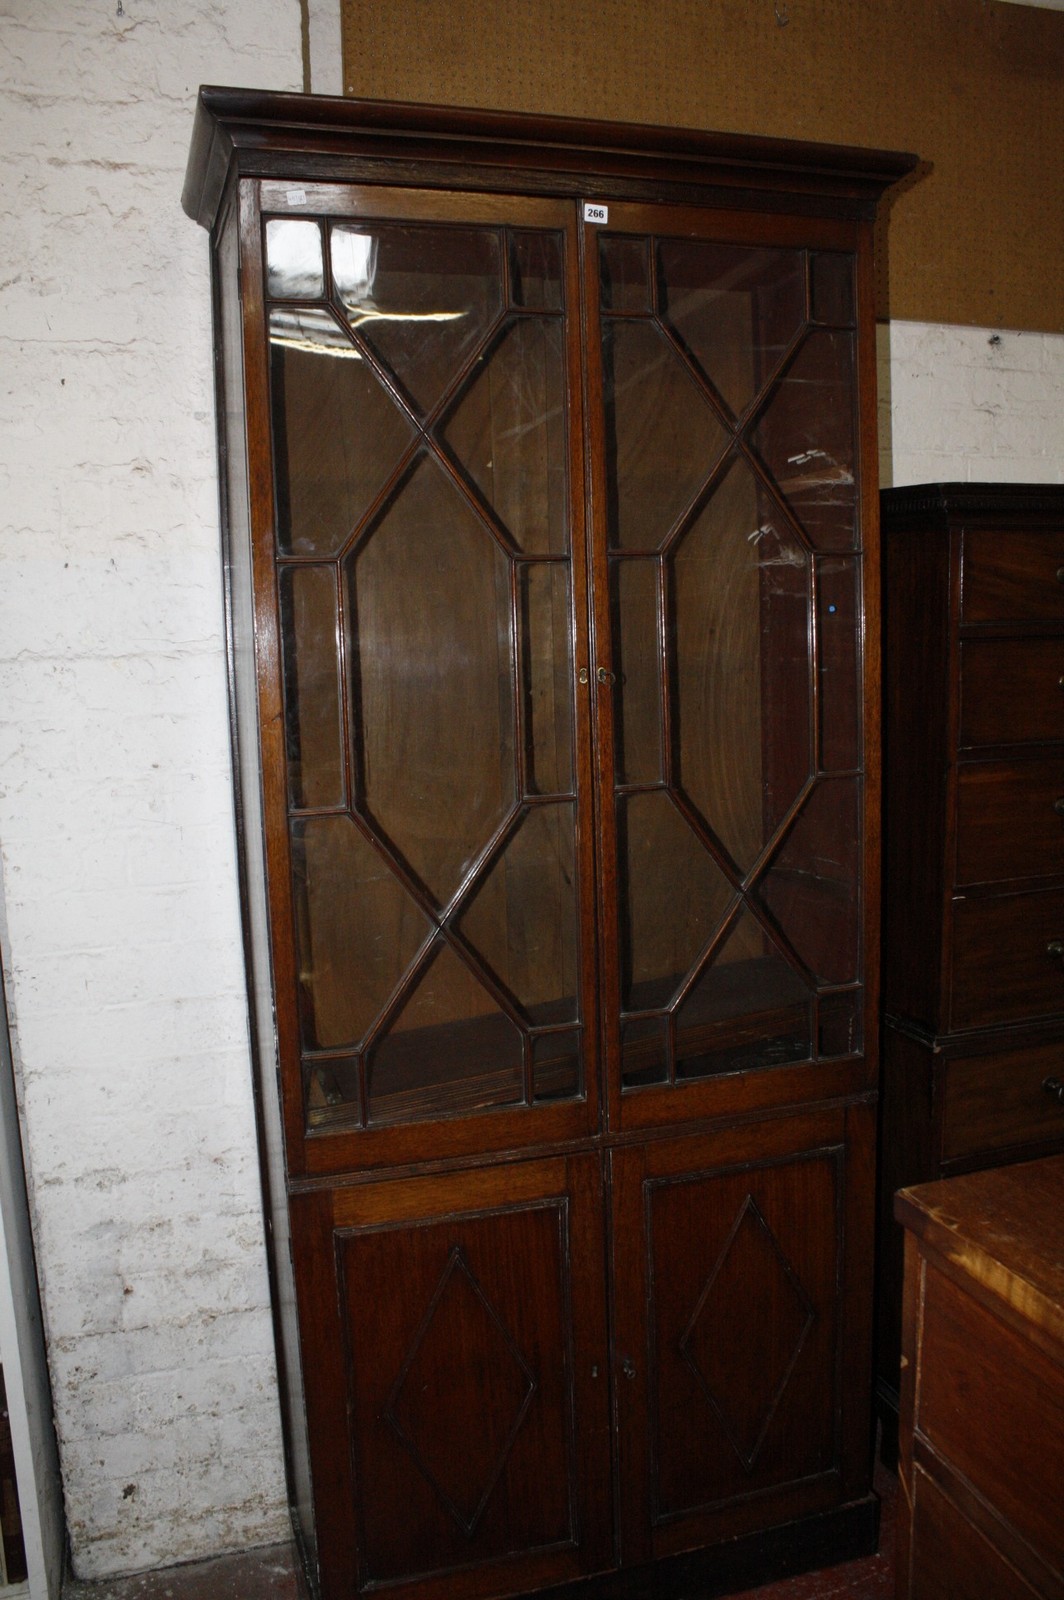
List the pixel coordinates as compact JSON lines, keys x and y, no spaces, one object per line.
{"x":422,"y":296}
{"x":840,"y":1023}
{"x":624,"y":274}
{"x":663,"y":438}
{"x":357,"y":930}
{"x":737,"y":310}
{"x":313,"y":725}
{"x":449,"y":1049}
{"x":838,"y":664}
{"x":742,"y":707}
{"x":748,"y":1009}
{"x":557,"y":1071}
{"x":832,"y":288}
{"x":294,"y":267}
{"x":338,"y":435}
{"x":431,"y":678}
{"x":547,"y":677}
{"x":333,"y":1090}
{"x":673,"y":897}
{"x":523,"y":918}
{"x":806,"y":438}
{"x":812,"y":886}
{"x":508,"y":430}
{"x":536,"y":271}
{"x":644,"y":1054}
{"x":637,"y":666}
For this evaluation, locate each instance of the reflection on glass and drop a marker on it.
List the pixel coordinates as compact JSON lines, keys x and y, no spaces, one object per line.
{"x":674,"y":897}
{"x":357,"y":930}
{"x":431,"y":684}
{"x":523,"y":917}
{"x":424,"y":324}
{"x":812,"y":886}
{"x":807,"y":440}
{"x":838,"y":664}
{"x":449,"y":1048}
{"x":644,"y":1056}
{"x":742,"y":704}
{"x":557,"y":1071}
{"x":624,"y":274}
{"x":536,"y":270}
{"x":509,"y":433}
{"x":547,"y":680}
{"x":294,"y":266}
{"x":736,"y":308}
{"x":840,"y":1019}
{"x":748,"y":1009}
{"x":338,"y":435}
{"x":313,"y":726}
{"x":637,"y":666}
{"x":663,"y":438}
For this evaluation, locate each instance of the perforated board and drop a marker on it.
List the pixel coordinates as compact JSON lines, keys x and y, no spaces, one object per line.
{"x":975,"y":87}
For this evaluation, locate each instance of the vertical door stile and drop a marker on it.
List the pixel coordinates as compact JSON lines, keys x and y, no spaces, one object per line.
{"x":600,"y":689}
{"x":267,"y":647}
{"x":582,"y":655}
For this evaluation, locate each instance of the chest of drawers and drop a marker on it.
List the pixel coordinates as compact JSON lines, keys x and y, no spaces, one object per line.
{"x":973,"y":975}
{"x":982,"y":1421}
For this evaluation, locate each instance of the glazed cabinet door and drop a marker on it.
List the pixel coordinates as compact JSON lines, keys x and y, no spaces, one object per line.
{"x":458,"y":1396}
{"x":730,"y":588}
{"x":423,"y":621}
{"x":741,"y":1322}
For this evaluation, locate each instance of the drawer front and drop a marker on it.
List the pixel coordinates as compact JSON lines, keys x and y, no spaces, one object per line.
{"x":991,"y":1103}
{"x":1008,"y":821}
{"x":992,"y":1404}
{"x":1011,"y":691}
{"x":1013,"y":577}
{"x":1002,"y":968}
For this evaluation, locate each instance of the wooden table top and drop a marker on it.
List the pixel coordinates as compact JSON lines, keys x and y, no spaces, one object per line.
{"x":1004,"y":1228}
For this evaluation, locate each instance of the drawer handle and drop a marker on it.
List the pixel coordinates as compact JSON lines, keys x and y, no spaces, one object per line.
{"x":1055,"y":948}
{"x":1058,"y":806}
{"x":1060,"y":574}
{"x":1054,"y":1089}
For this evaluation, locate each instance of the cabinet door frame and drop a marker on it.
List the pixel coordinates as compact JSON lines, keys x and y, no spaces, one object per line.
{"x":802,"y":1082}
{"x":322,"y":1221}
{"x":843,"y":1136}
{"x":334,"y":1149}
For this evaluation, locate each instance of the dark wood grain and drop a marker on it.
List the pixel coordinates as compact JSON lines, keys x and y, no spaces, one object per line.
{"x":982,"y":1423}
{"x":422,"y":683}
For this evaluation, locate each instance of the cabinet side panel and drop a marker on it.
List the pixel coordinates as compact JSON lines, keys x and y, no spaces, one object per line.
{"x":243,"y":704}
{"x":916,"y":732}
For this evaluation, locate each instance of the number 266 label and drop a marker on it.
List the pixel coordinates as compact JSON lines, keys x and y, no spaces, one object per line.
{"x":593,"y":213}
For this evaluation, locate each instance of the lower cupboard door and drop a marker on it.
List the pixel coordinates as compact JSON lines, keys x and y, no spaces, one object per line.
{"x":457,"y":1403}
{"x":742,"y":1377}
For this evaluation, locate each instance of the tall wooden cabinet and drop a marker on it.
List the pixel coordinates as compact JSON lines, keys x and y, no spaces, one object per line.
{"x":973,"y":958}
{"x":551,"y":556}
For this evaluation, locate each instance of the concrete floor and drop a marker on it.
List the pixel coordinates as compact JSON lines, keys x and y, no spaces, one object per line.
{"x":273,"y":1574}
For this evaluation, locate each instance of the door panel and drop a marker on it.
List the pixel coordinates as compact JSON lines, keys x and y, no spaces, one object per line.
{"x":730,"y":1258}
{"x":470,"y":1360}
{"x":427,"y":422}
{"x":728,"y":578}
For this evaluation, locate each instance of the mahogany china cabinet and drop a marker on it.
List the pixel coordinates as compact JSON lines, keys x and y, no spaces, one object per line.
{"x":550,"y":520}
{"x":973,"y":959}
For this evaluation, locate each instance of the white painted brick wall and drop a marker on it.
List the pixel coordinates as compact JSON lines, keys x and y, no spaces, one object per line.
{"x":115,"y":813}
{"x":123,"y":940}
{"x":970,"y":405}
